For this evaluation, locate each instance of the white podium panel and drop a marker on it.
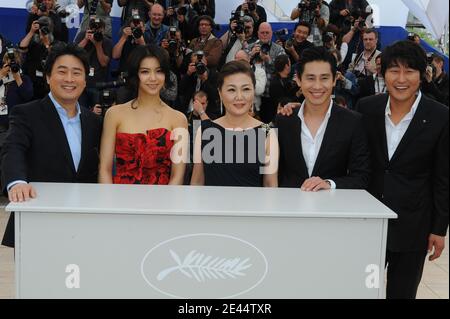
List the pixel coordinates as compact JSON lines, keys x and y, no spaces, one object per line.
{"x":116,"y":241}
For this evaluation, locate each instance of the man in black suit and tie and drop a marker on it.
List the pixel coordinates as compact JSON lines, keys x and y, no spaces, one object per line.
{"x":54,"y":139}
{"x":409,"y":139}
{"x":322,"y":145}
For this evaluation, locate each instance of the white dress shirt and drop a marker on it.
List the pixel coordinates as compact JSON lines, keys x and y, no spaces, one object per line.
{"x":311,"y":145}
{"x":395,"y":133}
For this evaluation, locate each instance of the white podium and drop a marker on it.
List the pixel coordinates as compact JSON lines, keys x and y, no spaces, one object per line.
{"x":117,"y":241}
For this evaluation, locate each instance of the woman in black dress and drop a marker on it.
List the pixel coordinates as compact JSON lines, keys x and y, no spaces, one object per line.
{"x":236,"y":149}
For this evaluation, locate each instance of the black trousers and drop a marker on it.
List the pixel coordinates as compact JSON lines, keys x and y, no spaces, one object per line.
{"x":404,"y":272}
{"x":8,"y":237}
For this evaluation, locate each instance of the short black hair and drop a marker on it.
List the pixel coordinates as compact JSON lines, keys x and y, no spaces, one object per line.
{"x":280,"y":62}
{"x":405,"y":53}
{"x":303,"y":24}
{"x":319,"y":54}
{"x":61,"y":49}
{"x":235,"y":67}
{"x":134,"y":63}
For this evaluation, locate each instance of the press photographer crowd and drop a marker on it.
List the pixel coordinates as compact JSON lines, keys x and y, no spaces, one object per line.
{"x":185,"y":30}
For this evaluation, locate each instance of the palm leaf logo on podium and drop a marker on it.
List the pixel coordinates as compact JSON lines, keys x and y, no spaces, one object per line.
{"x":200,"y":267}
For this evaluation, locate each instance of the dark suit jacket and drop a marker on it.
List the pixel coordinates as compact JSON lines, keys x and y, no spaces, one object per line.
{"x":36,"y":148}
{"x":366,"y":86}
{"x":414,"y":183}
{"x":343,"y":156}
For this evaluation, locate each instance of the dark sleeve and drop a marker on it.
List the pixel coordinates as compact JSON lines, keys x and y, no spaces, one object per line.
{"x":30,"y":20}
{"x":440,"y":184}
{"x":358,"y":161}
{"x":262,"y":15}
{"x":432,"y":90}
{"x":15,"y":148}
{"x":25,"y":91}
{"x":211,"y":11}
{"x":334,"y":11}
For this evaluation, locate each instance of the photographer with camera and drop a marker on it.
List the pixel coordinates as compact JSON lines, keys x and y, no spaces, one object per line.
{"x":133,"y":8}
{"x":204,"y":7}
{"x":436,"y":80}
{"x":133,"y":35}
{"x":15,"y":88}
{"x":155,"y":29}
{"x":283,"y":86}
{"x":46,"y":8}
{"x":363,"y":64}
{"x":176,"y":49}
{"x":343,"y":12}
{"x":317,"y":14}
{"x":4,"y":45}
{"x":207,"y":42}
{"x":252,"y":9}
{"x":98,"y":8}
{"x":36,"y":46}
{"x":99,"y":50}
{"x":239,"y":37}
{"x":199,"y":77}
{"x":265,"y":51}
{"x":299,"y":42}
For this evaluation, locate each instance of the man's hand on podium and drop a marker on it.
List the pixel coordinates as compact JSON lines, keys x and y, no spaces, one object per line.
{"x":315,"y":184}
{"x":21,"y":193}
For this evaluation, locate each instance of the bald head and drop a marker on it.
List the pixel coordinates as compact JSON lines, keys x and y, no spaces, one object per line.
{"x":157,"y":15}
{"x":265,"y":32}
{"x":241,"y":55}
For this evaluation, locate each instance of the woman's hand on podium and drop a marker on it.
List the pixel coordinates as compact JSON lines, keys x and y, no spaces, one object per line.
{"x":21,"y":193}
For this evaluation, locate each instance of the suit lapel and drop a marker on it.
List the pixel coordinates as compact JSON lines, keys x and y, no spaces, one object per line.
{"x":57,"y":130}
{"x":297,"y":136}
{"x":381,"y":128}
{"x":415,"y":127}
{"x":84,"y":137}
{"x":331,"y":132}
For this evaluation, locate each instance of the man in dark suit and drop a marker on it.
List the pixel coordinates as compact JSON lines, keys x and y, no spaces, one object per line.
{"x":409,"y":139}
{"x":322,"y":146}
{"x":54,"y":139}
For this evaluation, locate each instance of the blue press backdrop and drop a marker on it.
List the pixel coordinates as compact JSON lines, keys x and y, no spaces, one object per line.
{"x":13,"y":23}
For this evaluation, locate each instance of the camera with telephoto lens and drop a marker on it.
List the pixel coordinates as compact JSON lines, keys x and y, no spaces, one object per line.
{"x":136,"y":31}
{"x":182,"y":11}
{"x":239,"y":19}
{"x":281,"y":35}
{"x":251,"y":6}
{"x":200,"y":66}
{"x":430,"y":58}
{"x":12,"y":61}
{"x":93,"y":8}
{"x":289,"y":43}
{"x":95,"y":26}
{"x":41,"y":6}
{"x":310,"y":5}
{"x":173,"y":43}
{"x":411,"y":36}
{"x":107,"y":99}
{"x":44,"y":27}
{"x":265,"y":48}
{"x":61,"y":12}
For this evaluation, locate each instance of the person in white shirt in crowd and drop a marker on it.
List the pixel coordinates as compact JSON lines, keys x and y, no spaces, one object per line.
{"x":261,"y":79}
{"x":265,"y":51}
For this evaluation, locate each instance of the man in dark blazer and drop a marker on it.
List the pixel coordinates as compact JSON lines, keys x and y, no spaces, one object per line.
{"x":409,"y":139}
{"x":54,"y":139}
{"x":322,"y":145}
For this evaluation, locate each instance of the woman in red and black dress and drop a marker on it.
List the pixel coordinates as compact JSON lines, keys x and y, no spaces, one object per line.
{"x":141,"y":134}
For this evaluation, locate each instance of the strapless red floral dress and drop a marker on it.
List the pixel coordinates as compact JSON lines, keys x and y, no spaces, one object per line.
{"x":143,"y":158}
